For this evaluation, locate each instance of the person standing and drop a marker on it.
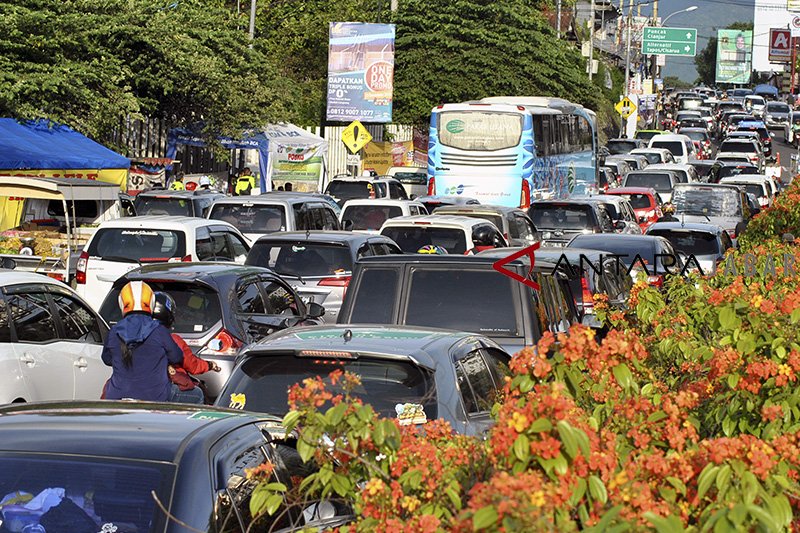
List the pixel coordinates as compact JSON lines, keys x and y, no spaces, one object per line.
{"x":245,"y":183}
{"x":177,"y":183}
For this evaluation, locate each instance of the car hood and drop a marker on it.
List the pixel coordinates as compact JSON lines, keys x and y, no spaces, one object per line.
{"x":723,"y":222}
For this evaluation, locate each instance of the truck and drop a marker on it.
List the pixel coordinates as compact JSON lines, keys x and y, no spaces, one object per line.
{"x":50,"y":220}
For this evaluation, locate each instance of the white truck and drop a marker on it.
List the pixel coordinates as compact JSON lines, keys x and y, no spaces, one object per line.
{"x":51,"y":219}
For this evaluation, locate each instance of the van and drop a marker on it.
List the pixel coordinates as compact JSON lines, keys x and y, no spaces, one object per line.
{"x":681,"y":146}
{"x":413,"y":179}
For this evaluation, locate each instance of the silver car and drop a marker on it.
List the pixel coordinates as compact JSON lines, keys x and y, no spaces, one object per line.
{"x":703,"y":245}
{"x":776,"y":115}
{"x":722,"y":205}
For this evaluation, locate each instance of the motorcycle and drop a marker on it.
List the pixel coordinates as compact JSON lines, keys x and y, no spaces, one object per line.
{"x":794,"y":135}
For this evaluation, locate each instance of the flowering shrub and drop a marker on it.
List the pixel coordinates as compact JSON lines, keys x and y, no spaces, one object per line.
{"x":685,"y":417}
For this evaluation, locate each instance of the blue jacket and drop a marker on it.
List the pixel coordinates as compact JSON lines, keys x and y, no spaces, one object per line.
{"x":153,"y":349}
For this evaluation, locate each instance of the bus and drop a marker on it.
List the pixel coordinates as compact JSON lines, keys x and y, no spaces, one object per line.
{"x":511,"y":150}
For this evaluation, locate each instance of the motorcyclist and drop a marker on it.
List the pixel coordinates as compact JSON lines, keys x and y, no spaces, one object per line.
{"x":139,"y":349}
{"x":179,"y":374}
{"x":668,"y":212}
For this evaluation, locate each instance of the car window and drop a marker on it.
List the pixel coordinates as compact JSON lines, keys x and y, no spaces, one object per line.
{"x":237,"y":246}
{"x":371,"y":216}
{"x":524,"y":228}
{"x":412,"y":238}
{"x":478,"y":389}
{"x":301,"y":258}
{"x":604,"y":217}
{"x":77,"y":321}
{"x":329,"y":220}
{"x":212,"y":246}
{"x":562,"y":216}
{"x":250,"y":300}
{"x":33,"y":321}
{"x":134,"y":244}
{"x":251,"y":217}
{"x":280,"y":299}
{"x":377,"y":248}
{"x":239,"y":485}
{"x":374,"y":301}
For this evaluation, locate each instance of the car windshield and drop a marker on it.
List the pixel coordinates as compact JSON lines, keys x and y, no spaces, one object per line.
{"x":561,"y":216}
{"x":163,"y":205}
{"x":652,"y":157}
{"x":100,"y":492}
{"x":385,"y":382}
{"x":709,"y":201}
{"x":737,"y":147}
{"x":646,"y":135}
{"x":350,"y":189}
{"x":411,"y":238}
{"x":251,"y":217}
{"x":689,"y":242}
{"x":628,"y":249}
{"x":135,"y":245}
{"x":756,"y":189}
{"x":777,"y":107}
{"x":675,"y":147}
{"x":621,"y":146}
{"x":370,"y":217}
{"x":301,"y":258}
{"x":696,"y":135}
{"x":638,"y":201}
{"x":657,"y":181}
{"x":728,"y":171}
{"x":197,"y":307}
{"x":412,"y":178}
{"x":494,"y":219}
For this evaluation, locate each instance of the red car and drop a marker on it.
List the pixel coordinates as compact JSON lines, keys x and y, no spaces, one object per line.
{"x":645,"y":201}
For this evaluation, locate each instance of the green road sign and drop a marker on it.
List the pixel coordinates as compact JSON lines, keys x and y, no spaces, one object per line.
{"x":669,"y":41}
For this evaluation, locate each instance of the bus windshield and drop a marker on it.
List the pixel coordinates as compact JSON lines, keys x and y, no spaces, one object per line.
{"x":480,"y":130}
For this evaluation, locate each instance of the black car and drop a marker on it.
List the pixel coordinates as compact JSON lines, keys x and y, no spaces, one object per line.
{"x":220,"y":307}
{"x":463,"y":293}
{"x":182,"y":203}
{"x":624,"y":146}
{"x":727,"y":169}
{"x":110,"y":466}
{"x":560,"y":220}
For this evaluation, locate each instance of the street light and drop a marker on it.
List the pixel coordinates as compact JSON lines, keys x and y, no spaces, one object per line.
{"x":656,"y":69}
{"x":687,"y":10}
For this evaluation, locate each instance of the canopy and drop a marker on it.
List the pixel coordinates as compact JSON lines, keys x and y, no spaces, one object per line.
{"x":44,"y":145}
{"x":765,"y":89}
{"x":57,"y":188}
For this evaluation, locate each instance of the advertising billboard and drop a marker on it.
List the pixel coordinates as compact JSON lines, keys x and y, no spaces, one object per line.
{"x":360,"y":72}
{"x":734,"y":56}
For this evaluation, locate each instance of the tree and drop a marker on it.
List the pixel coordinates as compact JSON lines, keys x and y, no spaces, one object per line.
{"x":706,"y":60}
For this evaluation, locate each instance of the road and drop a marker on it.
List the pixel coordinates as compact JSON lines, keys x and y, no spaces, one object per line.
{"x":785,"y":151}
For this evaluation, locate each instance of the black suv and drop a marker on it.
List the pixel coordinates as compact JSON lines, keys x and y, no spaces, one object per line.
{"x":181,"y":203}
{"x":560,"y":220}
{"x":463,"y":293}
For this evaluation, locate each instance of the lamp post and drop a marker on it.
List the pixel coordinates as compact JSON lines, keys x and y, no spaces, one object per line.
{"x":656,"y":70}
{"x":252,"y":21}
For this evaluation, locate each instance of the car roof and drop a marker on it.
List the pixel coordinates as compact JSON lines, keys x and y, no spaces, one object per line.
{"x":379,"y":202}
{"x":272,"y":198}
{"x":691,"y":226}
{"x":618,"y":237}
{"x":632,"y":190}
{"x":609,"y":198}
{"x":436,"y":220}
{"x":181,"y":194}
{"x":745,"y":178}
{"x":669,"y":166}
{"x":319,"y":236}
{"x":704,"y":185}
{"x":14,"y":277}
{"x":480,"y":208}
{"x":670,"y":137}
{"x":445,"y":198}
{"x":125,"y":430}
{"x":649,"y":150}
{"x":695,"y":130}
{"x":571,"y":200}
{"x":738,"y":141}
{"x":161,"y":222}
{"x":190,"y":272}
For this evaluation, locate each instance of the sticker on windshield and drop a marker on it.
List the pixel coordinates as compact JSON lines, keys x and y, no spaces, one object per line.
{"x":298,"y":248}
{"x":238,"y":401}
{"x":410,"y":414}
{"x":139,"y":232}
{"x":108,"y":528}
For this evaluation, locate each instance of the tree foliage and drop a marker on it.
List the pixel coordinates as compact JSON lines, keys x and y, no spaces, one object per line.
{"x":706,"y":60}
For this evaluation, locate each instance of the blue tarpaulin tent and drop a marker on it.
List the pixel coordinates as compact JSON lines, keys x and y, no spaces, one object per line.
{"x":42,"y":145}
{"x":765,"y":89}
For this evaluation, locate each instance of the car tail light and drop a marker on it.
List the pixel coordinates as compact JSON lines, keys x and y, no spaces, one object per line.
{"x":341,"y":281}
{"x":525,"y":197}
{"x":588,"y":302}
{"x":432,"y":186}
{"x":80,"y":272}
{"x":223,"y":343}
{"x":656,"y":281}
{"x":55,"y":276}
{"x":187,"y":258}
{"x":731,"y":233}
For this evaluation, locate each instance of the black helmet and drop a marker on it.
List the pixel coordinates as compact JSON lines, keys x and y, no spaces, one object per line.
{"x":164,"y":309}
{"x":483,"y":236}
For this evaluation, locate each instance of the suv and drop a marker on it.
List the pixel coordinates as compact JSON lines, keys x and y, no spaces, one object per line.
{"x":661,"y":180}
{"x":414,"y":179}
{"x":176,"y":203}
{"x":646,"y":203}
{"x":620,"y":210}
{"x":685,"y":173}
{"x":724,"y":205}
{"x":560,"y":220}
{"x":369,"y":215}
{"x":737,"y":147}
{"x":517,"y":228}
{"x":681,"y":146}
{"x":343,"y":189}
{"x":277,"y":211}
{"x":623,"y":146}
{"x":124,"y":244}
{"x":655,"y":155}
{"x":456,"y":235}
{"x":776,"y":115}
{"x":464,"y":294}
{"x":219,"y":308}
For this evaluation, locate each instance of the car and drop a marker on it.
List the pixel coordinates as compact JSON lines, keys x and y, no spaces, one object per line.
{"x":646,"y":135}
{"x":318,"y":264}
{"x":726,"y":106}
{"x":734,"y":147}
{"x":219,"y":308}
{"x":440,"y":200}
{"x":619,"y":167}
{"x":259,"y":215}
{"x":621,"y":212}
{"x":744,"y":134}
{"x":655,"y":155}
{"x":653,"y":256}
{"x":453,"y":234}
{"x":692,"y":123}
{"x":623,"y":146}
{"x":176,"y":203}
{"x":463,"y":294}
{"x":635,"y":161}
{"x":343,"y":189}
{"x":412,"y":374}
{"x":517,"y":228}
{"x":661,"y":180}
{"x":764,"y":135}
{"x":760,"y":186}
{"x":687,"y":114}
{"x":704,"y":168}
{"x":110,"y":466}
{"x":733,"y":120}
{"x":413,"y":179}
{"x":559,"y":220}
{"x":52,"y":341}
{"x":737,"y":159}
{"x":680,"y":146}
{"x":646,"y":203}
{"x":724,"y":169}
{"x":703,"y":245}
{"x":369,"y":215}
{"x":777,"y":115}
{"x":707,"y":115}
{"x":755,"y":104}
{"x":701,"y":140}
{"x":122,"y":245}
{"x":789,"y":129}
{"x":686,"y":173}
{"x":724,"y":205}
{"x":689,"y":102}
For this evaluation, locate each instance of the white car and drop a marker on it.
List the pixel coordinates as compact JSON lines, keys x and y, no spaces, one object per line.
{"x":655,"y":155}
{"x":760,"y":186}
{"x":681,"y":146}
{"x":368,"y":216}
{"x":121,"y":245}
{"x":51,"y":342}
{"x":686,"y":173}
{"x":450,"y":234}
{"x":413,"y":179}
{"x":750,"y":148}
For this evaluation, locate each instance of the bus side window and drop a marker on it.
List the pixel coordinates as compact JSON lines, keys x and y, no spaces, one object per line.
{"x":538,"y":136}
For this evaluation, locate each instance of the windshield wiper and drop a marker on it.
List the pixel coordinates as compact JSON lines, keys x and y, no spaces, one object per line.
{"x":119,"y":259}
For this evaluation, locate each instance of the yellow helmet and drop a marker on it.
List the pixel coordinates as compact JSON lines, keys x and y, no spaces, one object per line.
{"x":137,"y":296}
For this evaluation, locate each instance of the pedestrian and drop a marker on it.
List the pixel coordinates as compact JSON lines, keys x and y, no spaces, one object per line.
{"x":245,"y":183}
{"x":177,"y":183}
{"x":287,"y":186}
{"x":139,"y":349}
{"x":205,"y":183}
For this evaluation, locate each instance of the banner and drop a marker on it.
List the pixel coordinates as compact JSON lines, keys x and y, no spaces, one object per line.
{"x":297,"y":156}
{"x":734,"y":56}
{"x":380,"y":156}
{"x":360,"y":72}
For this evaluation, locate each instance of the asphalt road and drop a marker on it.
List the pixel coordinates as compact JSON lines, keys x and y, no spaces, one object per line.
{"x":786,"y":152}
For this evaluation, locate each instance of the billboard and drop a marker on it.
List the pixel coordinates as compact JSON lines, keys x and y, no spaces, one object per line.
{"x":779,"y":45}
{"x":734,"y":56}
{"x":360,"y":72}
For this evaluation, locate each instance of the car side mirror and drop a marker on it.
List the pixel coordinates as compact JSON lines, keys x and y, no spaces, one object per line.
{"x":315,"y":310}
{"x":347,"y":225}
{"x":8,"y":263}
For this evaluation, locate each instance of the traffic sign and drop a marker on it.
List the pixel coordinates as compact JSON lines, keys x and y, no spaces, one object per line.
{"x":795,"y":26}
{"x":355,"y":136}
{"x":780,"y":49}
{"x":625,"y":107}
{"x":669,"y":41}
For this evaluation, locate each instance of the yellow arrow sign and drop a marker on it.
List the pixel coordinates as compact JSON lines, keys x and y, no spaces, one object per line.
{"x":355,"y":136}
{"x":625,"y":107}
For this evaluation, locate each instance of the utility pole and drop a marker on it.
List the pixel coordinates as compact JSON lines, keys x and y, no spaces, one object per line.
{"x":627,"y":63}
{"x":393,"y":5}
{"x":252,"y":21}
{"x":558,"y":19}
{"x":591,"y":42}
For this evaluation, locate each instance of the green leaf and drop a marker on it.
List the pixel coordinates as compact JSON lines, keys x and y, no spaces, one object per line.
{"x":657,"y":416}
{"x":336,"y":413}
{"x":567,"y":438}
{"x":733,"y":380}
{"x":678,"y":484}
{"x":561,"y":465}
{"x":341,"y":484}
{"x":597,"y":489}
{"x":258,"y":500}
{"x":541,"y":425}
{"x":578,"y":493}
{"x":723,"y":479}
{"x":727,"y":318}
{"x":273,"y":503}
{"x":378,"y":434}
{"x":669,"y":524}
{"x":455,"y":499}
{"x":522,"y":448}
{"x":623,"y":376}
{"x":763,"y":517}
{"x":290,"y":420}
{"x":706,"y":478}
{"x":728,"y":425}
{"x":795,"y":316}
{"x":484,"y":517}
{"x":305,"y":450}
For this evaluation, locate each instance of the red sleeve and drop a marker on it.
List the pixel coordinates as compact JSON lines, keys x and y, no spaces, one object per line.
{"x":192,"y":363}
